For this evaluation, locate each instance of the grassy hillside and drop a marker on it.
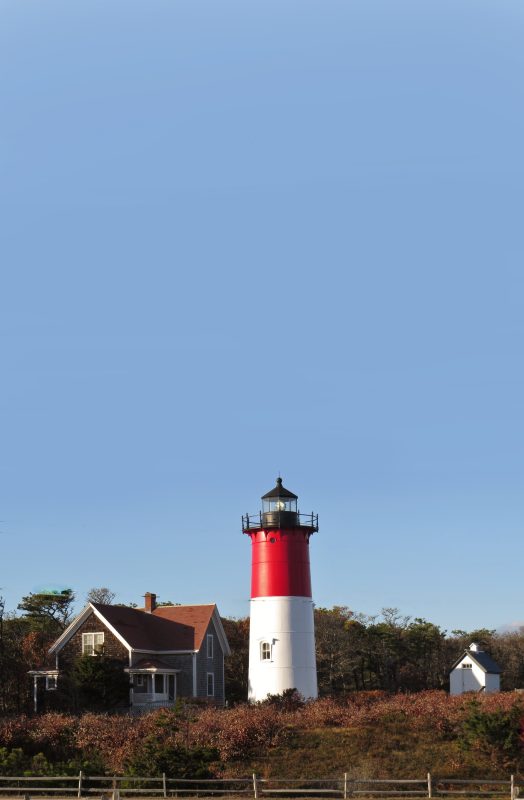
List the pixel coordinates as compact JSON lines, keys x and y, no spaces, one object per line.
{"x":367,"y":735}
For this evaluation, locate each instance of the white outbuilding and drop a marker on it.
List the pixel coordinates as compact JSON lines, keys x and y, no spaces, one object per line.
{"x":474,"y":671}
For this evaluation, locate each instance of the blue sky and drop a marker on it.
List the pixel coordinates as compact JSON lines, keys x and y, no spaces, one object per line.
{"x":242,"y":238}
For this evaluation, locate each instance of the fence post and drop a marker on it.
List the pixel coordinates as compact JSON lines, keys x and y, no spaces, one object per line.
{"x":164,"y":784}
{"x":430,"y":788}
{"x":345,"y":785}
{"x":255,"y":786}
{"x":512,"y":787}
{"x":80,"y":775}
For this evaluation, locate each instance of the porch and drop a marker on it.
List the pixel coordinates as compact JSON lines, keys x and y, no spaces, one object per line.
{"x":153,"y":685}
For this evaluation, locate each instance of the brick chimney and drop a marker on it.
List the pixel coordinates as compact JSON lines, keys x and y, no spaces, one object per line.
{"x":150,"y":599}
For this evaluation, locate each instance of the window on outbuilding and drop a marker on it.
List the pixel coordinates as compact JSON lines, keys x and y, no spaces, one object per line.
{"x":210,"y":644}
{"x":210,"y":684}
{"x":50,"y":682}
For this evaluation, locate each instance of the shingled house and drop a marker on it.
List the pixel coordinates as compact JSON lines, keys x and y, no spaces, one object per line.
{"x":168,"y":651}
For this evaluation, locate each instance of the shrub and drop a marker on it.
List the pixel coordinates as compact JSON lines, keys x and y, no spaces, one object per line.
{"x":153,"y":757}
{"x":496,"y":733}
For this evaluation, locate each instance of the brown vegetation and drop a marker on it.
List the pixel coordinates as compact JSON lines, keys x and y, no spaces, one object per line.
{"x":368,"y":734}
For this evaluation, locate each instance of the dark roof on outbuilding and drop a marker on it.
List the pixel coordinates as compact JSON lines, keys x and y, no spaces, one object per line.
{"x":279,"y":491}
{"x":483,"y":660}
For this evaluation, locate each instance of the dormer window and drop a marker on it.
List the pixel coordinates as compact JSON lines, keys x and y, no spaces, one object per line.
{"x":92,"y":644}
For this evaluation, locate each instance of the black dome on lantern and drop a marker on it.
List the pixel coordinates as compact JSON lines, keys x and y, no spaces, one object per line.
{"x":279,"y":491}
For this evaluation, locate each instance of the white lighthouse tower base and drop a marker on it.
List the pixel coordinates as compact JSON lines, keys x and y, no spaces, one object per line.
{"x":282,"y":647}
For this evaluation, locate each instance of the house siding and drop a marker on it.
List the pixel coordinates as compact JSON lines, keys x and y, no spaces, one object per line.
{"x":113,"y":648}
{"x":214,"y":665}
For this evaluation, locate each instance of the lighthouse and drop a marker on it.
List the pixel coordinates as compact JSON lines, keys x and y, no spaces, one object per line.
{"x":281,"y":633}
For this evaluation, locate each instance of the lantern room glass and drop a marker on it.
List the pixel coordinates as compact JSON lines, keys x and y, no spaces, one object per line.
{"x":276,"y":504}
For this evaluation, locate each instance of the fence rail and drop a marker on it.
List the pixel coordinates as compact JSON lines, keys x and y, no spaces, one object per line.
{"x":342,"y":786}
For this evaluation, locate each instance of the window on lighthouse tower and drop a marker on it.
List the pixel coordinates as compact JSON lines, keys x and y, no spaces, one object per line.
{"x":265,"y":651}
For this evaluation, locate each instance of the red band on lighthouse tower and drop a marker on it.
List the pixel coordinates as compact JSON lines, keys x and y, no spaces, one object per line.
{"x":280,"y":563}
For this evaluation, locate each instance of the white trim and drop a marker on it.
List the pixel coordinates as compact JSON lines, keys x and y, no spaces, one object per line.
{"x":38,"y":673}
{"x":71,"y":629}
{"x":219,"y":628}
{"x":151,"y":671}
{"x":210,"y":645}
{"x":165,"y":652}
{"x":208,"y":676}
{"x":78,"y":621}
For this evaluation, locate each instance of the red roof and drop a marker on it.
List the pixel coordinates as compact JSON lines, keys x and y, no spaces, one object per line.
{"x":195,"y":617}
{"x":167,"y":628}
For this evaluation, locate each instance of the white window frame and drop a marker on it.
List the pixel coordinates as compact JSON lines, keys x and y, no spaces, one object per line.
{"x":139,"y":680}
{"x":89,"y":647}
{"x":467,"y":666}
{"x":263,"y":651}
{"x":212,"y":692}
{"x":210,"y":645}
{"x":51,"y":683}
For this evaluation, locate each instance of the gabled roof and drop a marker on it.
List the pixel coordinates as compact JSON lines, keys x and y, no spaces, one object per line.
{"x":167,"y":629}
{"x":197,"y":618}
{"x":482,"y":659}
{"x":144,"y":631}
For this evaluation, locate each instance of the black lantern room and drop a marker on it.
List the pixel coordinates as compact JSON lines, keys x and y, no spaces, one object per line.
{"x":279,"y":510}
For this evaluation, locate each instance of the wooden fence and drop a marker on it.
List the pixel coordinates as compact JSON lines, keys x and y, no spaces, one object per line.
{"x":344,"y":786}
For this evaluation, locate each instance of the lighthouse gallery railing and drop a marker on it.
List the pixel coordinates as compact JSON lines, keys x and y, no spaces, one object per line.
{"x":256,"y":521}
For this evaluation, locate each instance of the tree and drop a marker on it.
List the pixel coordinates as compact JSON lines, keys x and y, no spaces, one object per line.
{"x":101,"y":595}
{"x":48,"y":612}
{"x":335,"y":657}
{"x":98,"y":683}
{"x":236,"y":666}
{"x":2,"y":657}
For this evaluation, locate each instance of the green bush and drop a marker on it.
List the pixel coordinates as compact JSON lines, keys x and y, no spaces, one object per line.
{"x":154,"y":757}
{"x":496,"y":733}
